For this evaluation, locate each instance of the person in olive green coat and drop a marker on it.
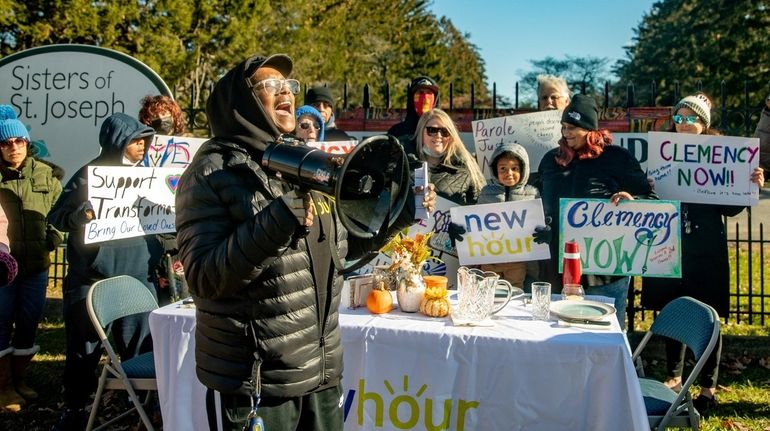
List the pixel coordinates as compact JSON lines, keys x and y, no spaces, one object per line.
{"x":28,"y":191}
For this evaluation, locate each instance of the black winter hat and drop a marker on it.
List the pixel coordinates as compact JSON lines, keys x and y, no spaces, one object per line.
{"x":582,"y":112}
{"x":319,"y":94}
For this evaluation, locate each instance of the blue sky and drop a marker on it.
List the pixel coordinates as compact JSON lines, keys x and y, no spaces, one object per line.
{"x":509,"y":33}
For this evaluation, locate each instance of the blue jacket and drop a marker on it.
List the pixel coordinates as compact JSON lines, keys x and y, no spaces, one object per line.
{"x":89,"y":263}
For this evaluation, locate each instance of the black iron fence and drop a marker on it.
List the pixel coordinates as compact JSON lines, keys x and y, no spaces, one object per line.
{"x":748,"y":246}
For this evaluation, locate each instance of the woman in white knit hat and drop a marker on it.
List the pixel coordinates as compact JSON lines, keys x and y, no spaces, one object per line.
{"x":705,"y":266}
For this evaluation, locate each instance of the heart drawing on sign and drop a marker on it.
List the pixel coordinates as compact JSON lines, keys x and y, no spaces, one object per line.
{"x":172,"y":181}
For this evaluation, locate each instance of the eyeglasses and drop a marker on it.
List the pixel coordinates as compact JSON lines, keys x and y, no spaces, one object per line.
{"x":274,"y":85}
{"x":689,"y":119}
{"x":12,"y":142}
{"x":306,"y":125}
{"x":433,"y":131}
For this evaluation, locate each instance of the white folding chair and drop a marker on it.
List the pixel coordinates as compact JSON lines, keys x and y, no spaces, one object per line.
{"x":107,"y":301}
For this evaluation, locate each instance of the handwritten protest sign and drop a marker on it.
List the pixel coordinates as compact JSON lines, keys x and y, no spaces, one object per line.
{"x":704,"y":169}
{"x":131,"y":201}
{"x":634,"y":238}
{"x":537,"y":132}
{"x":334,"y":147}
{"x":500,"y":232}
{"x":172,"y":151}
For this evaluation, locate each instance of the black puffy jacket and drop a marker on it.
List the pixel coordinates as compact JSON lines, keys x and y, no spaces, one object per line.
{"x":598,"y":178}
{"x":254,"y":294}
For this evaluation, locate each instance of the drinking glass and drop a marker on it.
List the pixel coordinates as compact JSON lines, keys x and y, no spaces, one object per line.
{"x":541,"y":300}
{"x":573,"y":292}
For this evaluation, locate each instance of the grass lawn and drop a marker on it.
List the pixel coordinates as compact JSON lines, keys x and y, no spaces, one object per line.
{"x":744,"y":391}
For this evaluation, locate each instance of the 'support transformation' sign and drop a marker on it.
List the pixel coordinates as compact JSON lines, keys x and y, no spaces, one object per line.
{"x":632,"y":238}
{"x":63,"y":93}
{"x":131,"y":201}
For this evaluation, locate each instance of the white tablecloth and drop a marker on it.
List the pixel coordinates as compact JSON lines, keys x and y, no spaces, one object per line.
{"x":408,"y":371}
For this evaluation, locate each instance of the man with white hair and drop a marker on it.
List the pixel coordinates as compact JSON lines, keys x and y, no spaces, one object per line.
{"x":552,"y":93}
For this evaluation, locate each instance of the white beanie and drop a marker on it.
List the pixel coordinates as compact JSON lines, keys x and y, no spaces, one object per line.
{"x":698,"y":103}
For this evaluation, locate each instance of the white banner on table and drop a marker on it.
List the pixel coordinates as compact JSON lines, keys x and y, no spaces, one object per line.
{"x":172,"y":151}
{"x":538,"y":133}
{"x":633,"y":238}
{"x":500,"y":232}
{"x":131,"y":201}
{"x":704,"y":169}
{"x":334,"y":147}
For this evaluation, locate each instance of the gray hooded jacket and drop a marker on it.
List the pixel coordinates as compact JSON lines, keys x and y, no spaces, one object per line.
{"x":494,"y":192}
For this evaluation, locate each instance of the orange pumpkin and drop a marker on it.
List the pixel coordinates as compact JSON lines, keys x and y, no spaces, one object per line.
{"x":379,"y":301}
{"x":435,"y":302}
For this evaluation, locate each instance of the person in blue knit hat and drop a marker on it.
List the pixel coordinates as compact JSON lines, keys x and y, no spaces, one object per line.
{"x":28,"y":191}
{"x":310,"y":124}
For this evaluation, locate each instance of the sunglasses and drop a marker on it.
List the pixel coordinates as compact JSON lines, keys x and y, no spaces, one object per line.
{"x":12,"y":142}
{"x":690,"y":119}
{"x":306,"y":125}
{"x":433,"y":131}
{"x":274,"y":85}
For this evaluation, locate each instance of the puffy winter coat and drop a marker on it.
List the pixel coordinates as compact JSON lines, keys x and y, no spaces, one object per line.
{"x":258,"y":300}
{"x":27,"y":195}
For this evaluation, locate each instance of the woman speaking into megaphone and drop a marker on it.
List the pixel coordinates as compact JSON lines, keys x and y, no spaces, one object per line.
{"x":267,"y":335}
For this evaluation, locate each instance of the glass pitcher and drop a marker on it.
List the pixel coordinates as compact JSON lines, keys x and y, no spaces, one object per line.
{"x":476,"y":293}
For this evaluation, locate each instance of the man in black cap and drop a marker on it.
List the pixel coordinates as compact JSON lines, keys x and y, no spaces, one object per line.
{"x":267,"y":329}
{"x":321,"y":99}
{"x":422,"y":96}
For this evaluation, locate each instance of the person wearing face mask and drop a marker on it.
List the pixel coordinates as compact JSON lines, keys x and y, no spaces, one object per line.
{"x":163,"y":114}
{"x":267,"y":320}
{"x":705,"y":265}
{"x":310,"y":124}
{"x":123,"y":141}
{"x":422,"y":96}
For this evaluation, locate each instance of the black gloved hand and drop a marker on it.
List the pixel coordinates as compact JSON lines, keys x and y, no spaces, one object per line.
{"x":543,"y":234}
{"x":456,"y":232}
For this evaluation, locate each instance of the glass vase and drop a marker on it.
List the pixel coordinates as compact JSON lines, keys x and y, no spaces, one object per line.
{"x":410,"y":290}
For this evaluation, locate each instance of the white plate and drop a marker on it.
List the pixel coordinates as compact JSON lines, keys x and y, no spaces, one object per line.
{"x":581,"y":310}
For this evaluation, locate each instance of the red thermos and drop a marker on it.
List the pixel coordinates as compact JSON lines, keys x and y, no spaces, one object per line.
{"x":571,"y":266}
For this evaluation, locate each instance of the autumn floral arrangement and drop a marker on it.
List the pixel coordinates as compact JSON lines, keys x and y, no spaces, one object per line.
{"x":408,"y":257}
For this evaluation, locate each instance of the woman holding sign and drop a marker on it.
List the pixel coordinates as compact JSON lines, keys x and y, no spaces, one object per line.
{"x":705,"y":268}
{"x":453,"y":170}
{"x":586,"y":165}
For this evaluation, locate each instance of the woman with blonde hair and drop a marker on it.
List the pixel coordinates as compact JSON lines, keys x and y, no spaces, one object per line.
{"x":453,"y":169}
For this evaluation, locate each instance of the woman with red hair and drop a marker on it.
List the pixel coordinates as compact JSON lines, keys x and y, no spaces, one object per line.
{"x":163,"y":114}
{"x":587,"y":165}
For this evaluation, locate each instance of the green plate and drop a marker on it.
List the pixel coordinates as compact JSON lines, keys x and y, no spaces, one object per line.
{"x":586,"y":310}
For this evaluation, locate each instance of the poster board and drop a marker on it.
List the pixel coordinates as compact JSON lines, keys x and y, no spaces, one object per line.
{"x":131,"y":201}
{"x":537,"y":132}
{"x":704,"y":169}
{"x":172,"y":151}
{"x":639,"y":237}
{"x":500,"y":232}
